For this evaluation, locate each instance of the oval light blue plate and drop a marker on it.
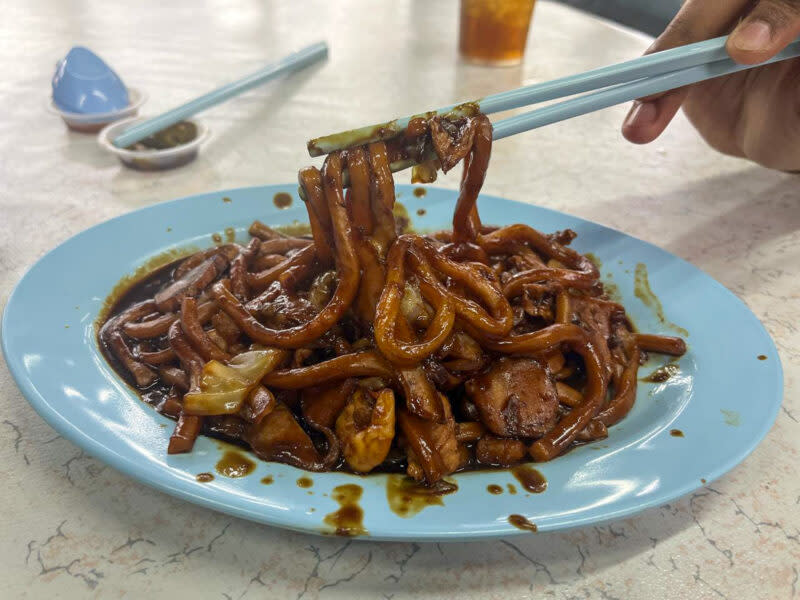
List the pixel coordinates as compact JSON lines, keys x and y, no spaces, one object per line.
{"x":724,"y":400}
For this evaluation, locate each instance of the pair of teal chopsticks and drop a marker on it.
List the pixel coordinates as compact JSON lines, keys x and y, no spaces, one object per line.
{"x":294,"y":62}
{"x":615,"y":84}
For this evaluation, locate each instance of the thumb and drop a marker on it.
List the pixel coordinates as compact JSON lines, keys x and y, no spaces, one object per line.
{"x":767,"y":29}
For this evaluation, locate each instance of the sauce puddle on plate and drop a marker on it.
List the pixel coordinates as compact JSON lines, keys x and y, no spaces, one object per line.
{"x":348,"y":521}
{"x":732,"y":417}
{"x":644,"y":292}
{"x":530,"y":479}
{"x":521,"y":522}
{"x":204,"y":477}
{"x":235,"y":464}
{"x":407,"y":497}
{"x":282,"y":200}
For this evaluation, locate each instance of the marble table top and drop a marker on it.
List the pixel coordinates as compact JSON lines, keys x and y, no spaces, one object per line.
{"x":73,"y":528}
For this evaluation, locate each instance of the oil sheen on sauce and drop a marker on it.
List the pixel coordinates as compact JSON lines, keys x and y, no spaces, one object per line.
{"x":235,"y":464}
{"x":204,"y":477}
{"x":530,"y":479}
{"x":348,"y":521}
{"x":406,"y":497}
{"x":521,"y":522}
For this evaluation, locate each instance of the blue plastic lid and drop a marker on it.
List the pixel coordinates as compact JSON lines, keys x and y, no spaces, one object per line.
{"x":84,"y":83}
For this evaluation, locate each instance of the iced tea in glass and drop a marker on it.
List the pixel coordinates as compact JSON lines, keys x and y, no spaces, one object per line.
{"x":494,"y":32}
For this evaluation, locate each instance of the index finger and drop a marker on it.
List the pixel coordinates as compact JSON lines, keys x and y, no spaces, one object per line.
{"x":697,"y":20}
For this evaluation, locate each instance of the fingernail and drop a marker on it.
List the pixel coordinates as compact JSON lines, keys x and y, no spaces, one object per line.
{"x":642,"y":113}
{"x":755,"y":35}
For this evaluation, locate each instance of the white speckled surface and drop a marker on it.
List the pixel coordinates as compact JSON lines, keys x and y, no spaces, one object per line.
{"x":72,"y":528}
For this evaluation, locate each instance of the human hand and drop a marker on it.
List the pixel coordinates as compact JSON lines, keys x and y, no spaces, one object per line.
{"x":753,"y":114}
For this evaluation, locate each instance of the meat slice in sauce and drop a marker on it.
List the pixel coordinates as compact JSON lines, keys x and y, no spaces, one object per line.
{"x":260,"y":402}
{"x":433,"y":450}
{"x":228,"y":251}
{"x":516,"y":397}
{"x":500,"y":452}
{"x":283,"y":311}
{"x":595,"y":316}
{"x":452,"y":141}
{"x":191,"y":284}
{"x":422,"y":399}
{"x":278,"y":437}
{"x":462,"y":354}
{"x":322,"y":404}
{"x":226,"y":327}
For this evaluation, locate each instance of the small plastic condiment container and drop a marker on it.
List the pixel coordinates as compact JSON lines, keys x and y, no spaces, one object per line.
{"x":91,"y":123}
{"x":153,"y":160}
